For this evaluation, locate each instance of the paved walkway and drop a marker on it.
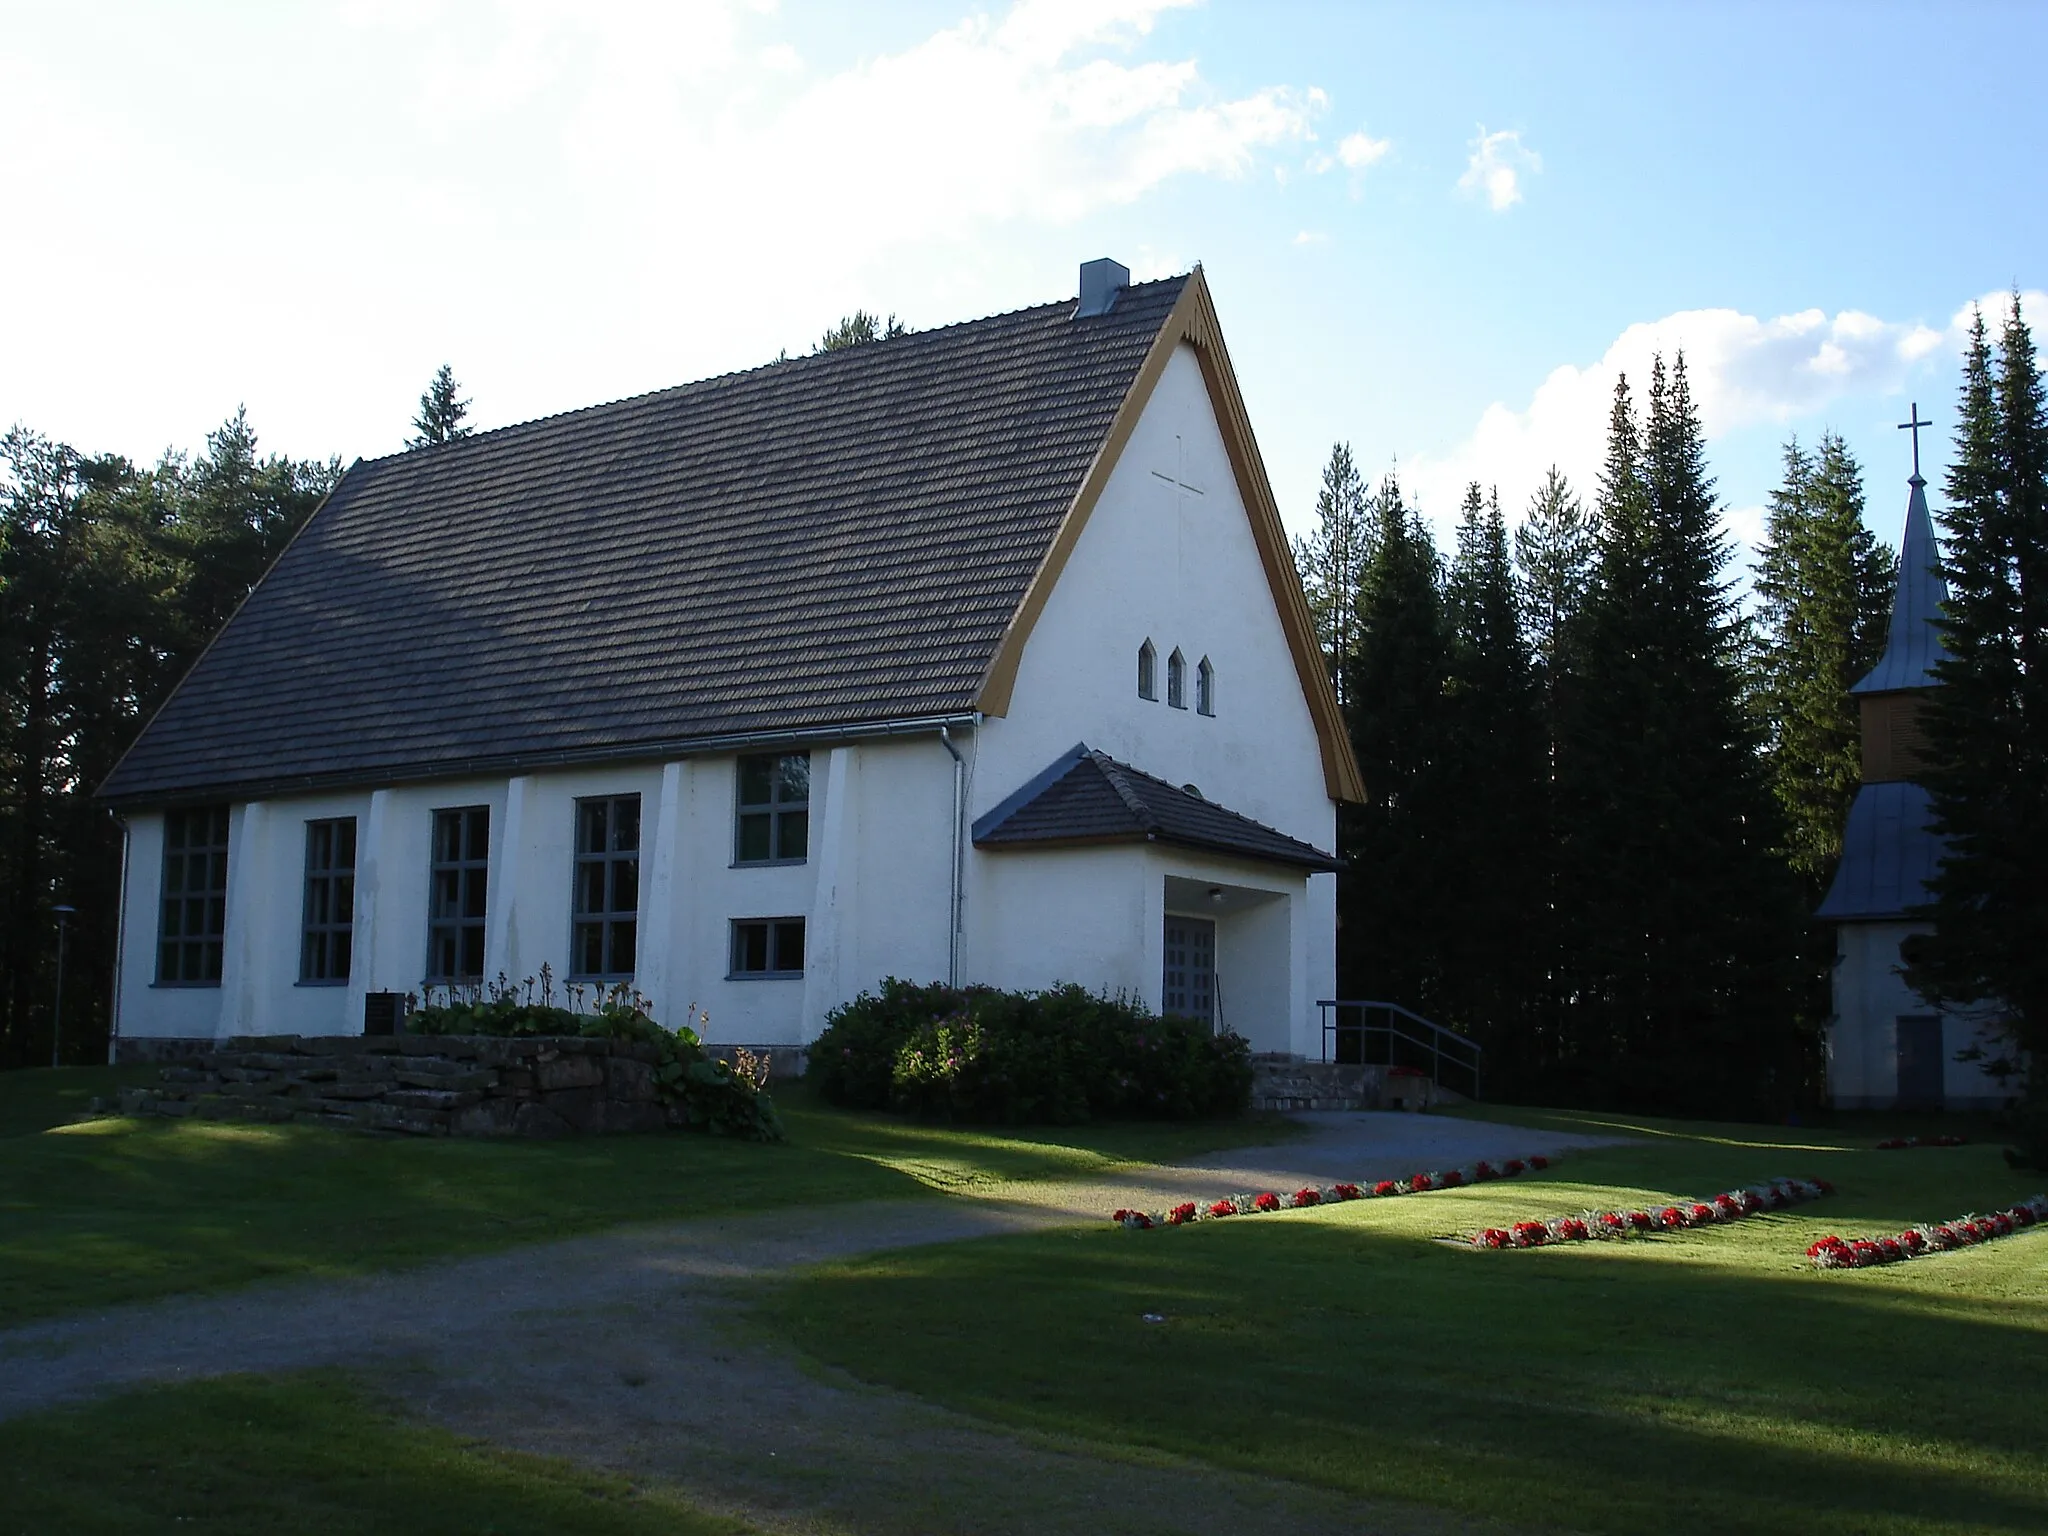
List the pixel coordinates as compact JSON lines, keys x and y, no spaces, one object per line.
{"x":621,"y":1349}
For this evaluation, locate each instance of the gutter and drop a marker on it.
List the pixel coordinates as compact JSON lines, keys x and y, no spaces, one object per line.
{"x":511,"y":763}
{"x":120,"y":947}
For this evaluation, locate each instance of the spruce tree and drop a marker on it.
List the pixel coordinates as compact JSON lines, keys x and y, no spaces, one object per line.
{"x":1391,"y":902}
{"x":1987,"y":724}
{"x":442,"y":412}
{"x":1823,"y":586}
{"x":1493,"y":771}
{"x":856,"y":330}
{"x":1679,"y":921}
{"x":1331,"y":562}
{"x":1554,"y":555}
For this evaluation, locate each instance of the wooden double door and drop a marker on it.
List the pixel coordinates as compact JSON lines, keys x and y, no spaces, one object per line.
{"x":1189,"y":984}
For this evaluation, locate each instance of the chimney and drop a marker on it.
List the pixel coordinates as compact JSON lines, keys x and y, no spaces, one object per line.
{"x":1101,"y":282}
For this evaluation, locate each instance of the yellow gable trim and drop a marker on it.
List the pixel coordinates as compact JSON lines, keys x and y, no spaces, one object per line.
{"x":1193,"y":320}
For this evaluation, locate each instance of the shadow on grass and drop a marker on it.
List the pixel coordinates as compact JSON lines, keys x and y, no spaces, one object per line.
{"x":307,"y":1452}
{"x":1606,"y":1387}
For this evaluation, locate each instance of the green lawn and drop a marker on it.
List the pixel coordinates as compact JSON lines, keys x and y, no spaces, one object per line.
{"x":302,"y":1453}
{"x":107,"y":1210}
{"x":1707,"y":1382}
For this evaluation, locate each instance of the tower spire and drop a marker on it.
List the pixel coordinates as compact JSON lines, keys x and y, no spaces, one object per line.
{"x":1913,"y":644}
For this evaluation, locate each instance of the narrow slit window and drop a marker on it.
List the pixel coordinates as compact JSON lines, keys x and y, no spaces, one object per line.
{"x":607,"y":906}
{"x":1148,"y":668}
{"x":1205,"y":688}
{"x":328,"y":933}
{"x":1177,"y":680}
{"x":193,"y":915}
{"x":458,"y":894}
{"x":768,"y":946}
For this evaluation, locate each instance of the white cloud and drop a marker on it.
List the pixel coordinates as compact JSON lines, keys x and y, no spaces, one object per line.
{"x":1744,"y":370}
{"x":633,"y":194}
{"x":1310,"y":237}
{"x":1356,"y":151}
{"x":1496,"y":167}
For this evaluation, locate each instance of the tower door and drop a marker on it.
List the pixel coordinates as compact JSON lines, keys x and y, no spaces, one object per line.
{"x":1190,"y":981}
{"x":1920,"y":1063}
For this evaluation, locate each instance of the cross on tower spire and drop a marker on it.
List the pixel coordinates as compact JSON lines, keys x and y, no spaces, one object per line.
{"x":1913,"y":424}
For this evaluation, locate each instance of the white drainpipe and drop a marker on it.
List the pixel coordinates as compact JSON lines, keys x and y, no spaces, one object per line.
{"x":959,"y":810}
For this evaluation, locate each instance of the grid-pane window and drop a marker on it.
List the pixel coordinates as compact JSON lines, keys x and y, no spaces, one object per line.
{"x":607,"y":887}
{"x":328,"y":931}
{"x":194,"y":912}
{"x":460,"y":881}
{"x":774,"y":808}
{"x":768,"y":946}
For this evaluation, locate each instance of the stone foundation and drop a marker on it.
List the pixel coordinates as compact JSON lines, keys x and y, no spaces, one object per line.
{"x":1292,"y":1084}
{"x":421,"y":1085}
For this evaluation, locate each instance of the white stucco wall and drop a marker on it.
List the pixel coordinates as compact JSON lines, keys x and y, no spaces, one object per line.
{"x":1154,"y":561}
{"x":1870,"y":995}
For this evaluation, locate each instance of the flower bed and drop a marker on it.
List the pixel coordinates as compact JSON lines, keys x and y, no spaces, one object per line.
{"x":1938,"y":1237}
{"x":1900,"y":1143}
{"x":1250,"y":1204}
{"x":1732,"y":1205}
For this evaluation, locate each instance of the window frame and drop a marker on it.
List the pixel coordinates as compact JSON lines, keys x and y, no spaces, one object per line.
{"x":1176,"y":680}
{"x":777,"y":810}
{"x":610,"y":921}
{"x":329,"y":884}
{"x":212,"y":897}
{"x":1148,"y":672}
{"x":1205,"y":688}
{"x":463,"y":869}
{"x":774,"y":931}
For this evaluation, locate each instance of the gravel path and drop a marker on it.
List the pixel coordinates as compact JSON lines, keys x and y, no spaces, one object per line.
{"x":619,"y":1349}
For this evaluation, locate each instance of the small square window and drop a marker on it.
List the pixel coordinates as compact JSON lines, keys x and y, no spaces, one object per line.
{"x":768,"y":946}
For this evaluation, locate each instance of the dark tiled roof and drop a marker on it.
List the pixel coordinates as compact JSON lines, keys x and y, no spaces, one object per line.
{"x":1889,"y":852}
{"x":1090,"y":797}
{"x":822,"y":542}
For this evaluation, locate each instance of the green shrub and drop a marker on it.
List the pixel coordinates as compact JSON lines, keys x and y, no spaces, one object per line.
{"x":726,"y":1096}
{"x":1012,"y":1058}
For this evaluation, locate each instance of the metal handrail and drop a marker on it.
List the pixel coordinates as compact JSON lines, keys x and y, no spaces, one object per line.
{"x":1440,"y":1046}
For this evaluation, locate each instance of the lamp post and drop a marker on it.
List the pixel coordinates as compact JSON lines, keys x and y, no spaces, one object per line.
{"x":57,"y":1015}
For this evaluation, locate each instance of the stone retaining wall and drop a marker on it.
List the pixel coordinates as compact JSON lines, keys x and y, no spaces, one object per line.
{"x":424,"y":1085}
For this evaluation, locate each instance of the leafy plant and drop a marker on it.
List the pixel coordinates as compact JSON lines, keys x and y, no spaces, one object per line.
{"x":1059,"y":1056}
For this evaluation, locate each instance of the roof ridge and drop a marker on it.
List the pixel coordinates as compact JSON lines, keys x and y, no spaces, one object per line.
{"x":808,"y":359}
{"x":1113,"y":771}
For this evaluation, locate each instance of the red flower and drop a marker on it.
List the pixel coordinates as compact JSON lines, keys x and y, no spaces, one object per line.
{"x":1539,"y":1163}
{"x":1182,"y":1214}
{"x":1267,"y":1202}
{"x":1611,"y":1221}
{"x":1640,"y":1220}
{"x":1575,"y":1229}
{"x":1420,"y":1183}
{"x":1345,"y":1191}
{"x":1451,"y":1180}
{"x":1493,"y":1237}
{"x":1307,"y":1197}
{"x":1222,"y":1208}
{"x":1484,"y":1171}
{"x":1671,"y":1216}
{"x":1530,"y":1234}
{"x":1702,"y":1213}
{"x":1512,"y":1166}
{"x":1889,"y":1247}
{"x":1386,"y":1187}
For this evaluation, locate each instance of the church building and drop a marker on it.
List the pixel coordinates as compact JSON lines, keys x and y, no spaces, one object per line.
{"x":974,"y":654}
{"x":1888,"y":1047}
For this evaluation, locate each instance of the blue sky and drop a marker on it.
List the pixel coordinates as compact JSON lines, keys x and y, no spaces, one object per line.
{"x":1434,"y":231}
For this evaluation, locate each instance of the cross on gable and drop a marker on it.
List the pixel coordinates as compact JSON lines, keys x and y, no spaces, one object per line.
{"x":1179,"y":477}
{"x":1913,"y":423}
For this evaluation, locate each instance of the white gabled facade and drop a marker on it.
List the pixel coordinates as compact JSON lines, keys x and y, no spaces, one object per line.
{"x":1166,"y":551}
